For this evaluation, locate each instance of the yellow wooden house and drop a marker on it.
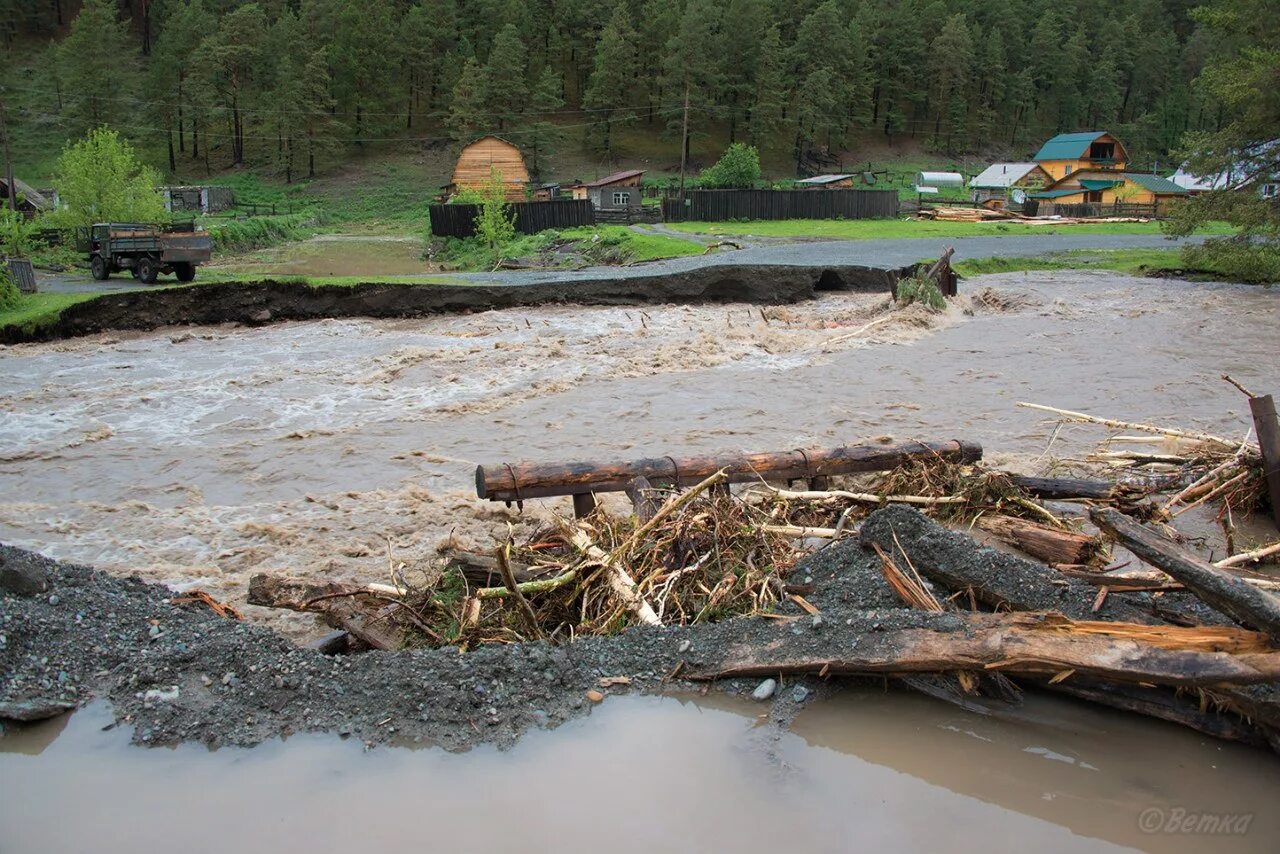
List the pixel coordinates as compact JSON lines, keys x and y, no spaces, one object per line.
{"x":476,"y":163}
{"x":1071,"y":152}
{"x":1090,"y":168}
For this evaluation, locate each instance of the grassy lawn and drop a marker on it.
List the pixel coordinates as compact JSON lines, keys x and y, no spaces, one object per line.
{"x":888,"y":229}
{"x":591,"y":245}
{"x":38,"y":310}
{"x":1134,"y":262}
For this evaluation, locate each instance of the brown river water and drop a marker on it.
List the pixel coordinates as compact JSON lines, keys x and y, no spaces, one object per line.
{"x":863,"y":771}
{"x":197,"y":457}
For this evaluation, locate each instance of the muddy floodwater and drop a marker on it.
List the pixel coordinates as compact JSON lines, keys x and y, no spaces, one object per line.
{"x":864,"y":771}
{"x":199,"y":456}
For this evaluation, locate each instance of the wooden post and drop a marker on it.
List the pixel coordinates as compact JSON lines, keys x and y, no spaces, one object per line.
{"x":583,"y":504}
{"x":8,"y":161}
{"x":684,"y":142}
{"x":1263,"y":408}
{"x":644,"y":499}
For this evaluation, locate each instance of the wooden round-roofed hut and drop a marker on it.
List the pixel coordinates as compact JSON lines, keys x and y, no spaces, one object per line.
{"x":478,"y":159}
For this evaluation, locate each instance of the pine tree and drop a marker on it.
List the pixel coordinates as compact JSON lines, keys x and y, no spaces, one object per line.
{"x":96,"y":66}
{"x":613,"y":76}
{"x":467,"y":116}
{"x":771,"y":95}
{"x":231,"y":59}
{"x":364,"y":59}
{"x":543,"y":134}
{"x":172,"y":65}
{"x":506,"y":87}
{"x":692,"y":70}
{"x":951,"y":69}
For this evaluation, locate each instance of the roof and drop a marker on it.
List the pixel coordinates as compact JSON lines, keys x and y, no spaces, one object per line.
{"x":33,"y":197}
{"x":1097,"y":184}
{"x":1252,"y":164}
{"x":1058,"y":194}
{"x":1068,"y":146}
{"x":824,"y":179}
{"x":1156,"y":184}
{"x":1002,"y":175}
{"x":614,"y":178}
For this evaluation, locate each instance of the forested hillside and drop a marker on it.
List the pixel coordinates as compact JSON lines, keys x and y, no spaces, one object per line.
{"x":287,"y":86}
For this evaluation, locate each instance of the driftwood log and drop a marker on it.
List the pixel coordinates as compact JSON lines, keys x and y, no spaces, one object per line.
{"x":518,"y":481}
{"x":1036,"y":644}
{"x":1218,"y":588}
{"x":337,"y":603}
{"x":1267,"y":426}
{"x":1049,"y":544}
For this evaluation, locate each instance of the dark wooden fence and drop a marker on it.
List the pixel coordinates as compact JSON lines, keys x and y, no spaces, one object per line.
{"x":1093,"y":210}
{"x":721,"y":205}
{"x":531,"y":217}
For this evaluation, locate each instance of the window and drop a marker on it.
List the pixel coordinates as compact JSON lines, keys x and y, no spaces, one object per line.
{"x":1066,"y":170}
{"x":1270,"y":191}
{"x":621,"y":200}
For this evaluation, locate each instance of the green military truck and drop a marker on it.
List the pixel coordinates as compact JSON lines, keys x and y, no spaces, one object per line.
{"x":146,"y":251}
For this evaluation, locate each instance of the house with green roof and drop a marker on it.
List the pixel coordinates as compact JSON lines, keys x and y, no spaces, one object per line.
{"x":1089,"y":167}
{"x":1071,"y":152}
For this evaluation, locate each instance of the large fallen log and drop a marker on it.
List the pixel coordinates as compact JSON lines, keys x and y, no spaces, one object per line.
{"x":1218,"y":588}
{"x":1034,"y":644}
{"x":518,"y":481}
{"x":1065,"y":488}
{"x":1008,"y":582}
{"x":1051,"y":545}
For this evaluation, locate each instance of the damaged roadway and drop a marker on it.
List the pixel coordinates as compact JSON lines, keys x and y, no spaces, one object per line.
{"x":178,"y":672}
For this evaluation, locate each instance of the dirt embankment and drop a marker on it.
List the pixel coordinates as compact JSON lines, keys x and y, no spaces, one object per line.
{"x":270,"y":301}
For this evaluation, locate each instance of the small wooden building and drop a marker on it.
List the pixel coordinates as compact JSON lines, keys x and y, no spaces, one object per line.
{"x":1003,"y":183}
{"x":478,"y":159}
{"x":30,"y":200}
{"x":619,"y":191}
{"x":826,"y":182}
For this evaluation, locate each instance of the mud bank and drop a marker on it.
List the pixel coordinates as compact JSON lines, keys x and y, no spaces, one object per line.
{"x":270,"y":301}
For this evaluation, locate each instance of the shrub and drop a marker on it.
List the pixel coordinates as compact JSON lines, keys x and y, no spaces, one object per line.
{"x":9,"y":294}
{"x":919,"y":288}
{"x":1256,"y":262}
{"x":738,"y":167}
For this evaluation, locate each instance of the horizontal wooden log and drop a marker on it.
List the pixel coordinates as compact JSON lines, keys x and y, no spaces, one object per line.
{"x":1216,"y":587}
{"x":518,"y":481}
{"x":1063,"y":488}
{"x":1051,"y":545}
{"x":1034,"y":644}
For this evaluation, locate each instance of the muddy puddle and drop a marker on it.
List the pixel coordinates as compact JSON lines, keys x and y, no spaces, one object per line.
{"x":337,"y":255}
{"x":197,"y":457}
{"x":866,"y":770}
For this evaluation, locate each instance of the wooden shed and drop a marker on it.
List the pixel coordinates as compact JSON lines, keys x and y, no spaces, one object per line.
{"x":477,"y":160}
{"x":826,"y":182}
{"x":30,"y":201}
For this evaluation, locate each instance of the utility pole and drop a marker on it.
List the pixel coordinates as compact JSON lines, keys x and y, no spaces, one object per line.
{"x":8,"y":161}
{"x":684,"y":140}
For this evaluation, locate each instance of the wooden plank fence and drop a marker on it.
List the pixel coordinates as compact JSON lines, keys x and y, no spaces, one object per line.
{"x":531,"y":217}
{"x":721,"y":205}
{"x":1093,"y":210}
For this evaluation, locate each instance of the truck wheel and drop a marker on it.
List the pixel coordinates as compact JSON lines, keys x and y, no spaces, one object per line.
{"x":185,"y":271}
{"x":147,"y":270}
{"x":133,"y":271}
{"x":98,"y":266}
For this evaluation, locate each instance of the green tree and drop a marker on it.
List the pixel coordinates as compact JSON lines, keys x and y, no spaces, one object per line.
{"x":1244,"y":77}
{"x":542,"y":134}
{"x":738,"y":167}
{"x":364,"y":58}
{"x":692,"y":70}
{"x":96,"y":65}
{"x":506,"y":85}
{"x":172,"y":64}
{"x":951,"y":69}
{"x":613,"y":76}
{"x":496,"y":221}
{"x":467,"y":108}
{"x":771,"y":96}
{"x":101,"y":179}
{"x":232,"y":60}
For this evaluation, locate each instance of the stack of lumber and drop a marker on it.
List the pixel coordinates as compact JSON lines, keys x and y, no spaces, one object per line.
{"x":964,"y":214}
